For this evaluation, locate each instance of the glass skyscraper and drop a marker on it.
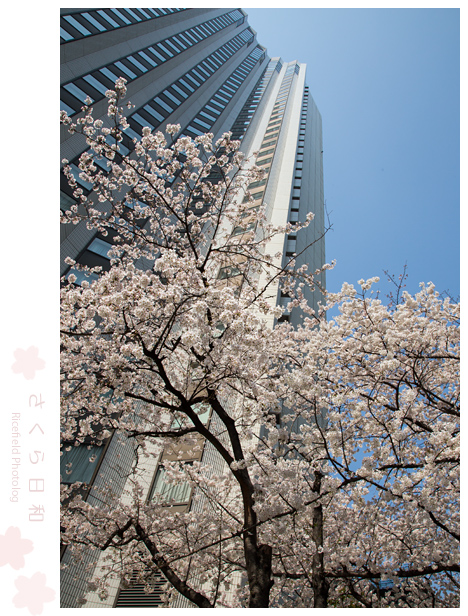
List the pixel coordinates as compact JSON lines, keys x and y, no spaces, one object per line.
{"x":205,"y":70}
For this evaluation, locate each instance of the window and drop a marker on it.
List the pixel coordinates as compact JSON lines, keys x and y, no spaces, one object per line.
{"x":265,"y":152}
{"x":132,"y":134}
{"x":172,"y":97}
{"x":76,"y":174}
{"x":108,"y":18}
{"x":228,"y":272}
{"x":133,"y":14}
{"x":165,"y":49}
{"x":109,"y":74}
{"x":146,"y":57}
{"x":171,"y":45}
{"x":212,"y":108}
{"x":241,"y":230}
{"x":138,"y":64}
{"x":203,"y":411}
{"x":79,"y":463}
{"x":164,"y":105}
{"x":186,"y":84}
{"x":76,"y":91}
{"x":154,"y":113}
{"x":96,"y":84}
{"x":76,"y":24}
{"x":257,"y":184}
{"x":290,"y":245}
{"x":125,"y":69}
{"x":180,"y":41}
{"x":202,"y":123}
{"x":179,"y":91}
{"x":157,"y":54}
{"x":257,"y":195}
{"x":209,"y":117}
{"x":67,"y":108}
{"x":166,"y":492}
{"x":94,"y":22}
{"x":122,"y":17}
{"x":147,"y":15}
{"x":100,"y":247}
{"x":65,"y":201}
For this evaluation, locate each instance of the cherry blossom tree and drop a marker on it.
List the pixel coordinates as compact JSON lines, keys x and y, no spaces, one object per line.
{"x":336,"y":443}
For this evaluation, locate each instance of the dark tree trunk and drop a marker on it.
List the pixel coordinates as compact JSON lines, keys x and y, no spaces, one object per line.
{"x":259,"y":572}
{"x":320,"y":583}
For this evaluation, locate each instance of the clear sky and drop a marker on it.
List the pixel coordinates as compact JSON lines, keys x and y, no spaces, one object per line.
{"x":386,"y":82}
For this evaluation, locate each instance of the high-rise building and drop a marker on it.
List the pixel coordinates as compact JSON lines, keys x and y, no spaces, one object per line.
{"x":202,"y":69}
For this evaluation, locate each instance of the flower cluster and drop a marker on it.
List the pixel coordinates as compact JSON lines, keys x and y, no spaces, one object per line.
{"x":333,"y":448}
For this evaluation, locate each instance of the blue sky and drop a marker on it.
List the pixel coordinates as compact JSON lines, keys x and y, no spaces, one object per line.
{"x":386,"y":82}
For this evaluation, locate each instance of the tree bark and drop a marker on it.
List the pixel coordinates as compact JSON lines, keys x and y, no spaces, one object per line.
{"x":259,"y":572}
{"x":320,"y":583}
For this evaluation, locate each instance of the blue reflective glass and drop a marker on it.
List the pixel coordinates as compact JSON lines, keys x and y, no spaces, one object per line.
{"x":100,"y":247}
{"x":94,"y":22}
{"x":121,"y":15}
{"x":112,"y":76}
{"x":76,"y":91}
{"x":108,"y":18}
{"x":65,"y":35}
{"x":157,"y":54}
{"x":147,"y":58}
{"x":137,"y":117}
{"x":76,"y":24}
{"x":165,"y":49}
{"x":163,"y":104}
{"x":133,"y":14}
{"x":126,"y":70}
{"x":154,"y":113}
{"x":138,"y":64}
{"x":67,"y":108}
{"x":96,"y":84}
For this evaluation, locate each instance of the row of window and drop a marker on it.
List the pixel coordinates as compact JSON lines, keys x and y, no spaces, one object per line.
{"x":271,"y":134}
{"x":95,"y":84}
{"x":154,"y":112}
{"x":171,"y":493}
{"x":213,"y":109}
{"x":267,"y":149}
{"x":167,"y":101}
{"x":245,"y":116}
{"x":79,"y":464}
{"x":79,"y":25}
{"x":291,"y":240}
{"x":205,"y":119}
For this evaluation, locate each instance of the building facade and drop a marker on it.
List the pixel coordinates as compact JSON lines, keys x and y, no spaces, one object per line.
{"x":202,"y":69}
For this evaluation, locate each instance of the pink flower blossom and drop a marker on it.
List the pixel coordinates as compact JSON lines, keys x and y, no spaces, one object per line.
{"x":28,"y":362}
{"x":13,"y":548}
{"x":33,"y":593}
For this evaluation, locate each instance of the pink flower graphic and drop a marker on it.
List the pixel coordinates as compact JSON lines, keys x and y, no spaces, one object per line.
{"x":13,"y":548}
{"x":27,"y":362}
{"x":33,"y":593}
